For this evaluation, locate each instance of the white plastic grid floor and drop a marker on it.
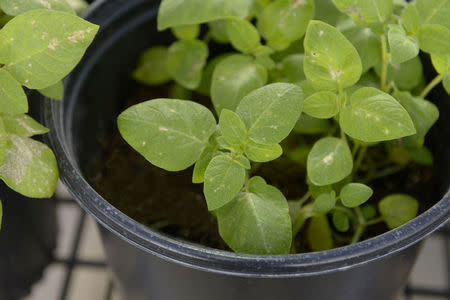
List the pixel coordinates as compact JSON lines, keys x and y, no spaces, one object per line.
{"x":79,"y":272}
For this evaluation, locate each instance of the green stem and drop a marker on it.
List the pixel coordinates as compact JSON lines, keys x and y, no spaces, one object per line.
{"x":303,"y":215}
{"x":360,"y":227}
{"x":359,"y":159}
{"x":355,"y":148}
{"x":432,"y":85}
{"x":384,"y":173}
{"x":384,"y":68}
{"x":303,"y":199}
{"x":374,"y":221}
{"x":345,"y":210}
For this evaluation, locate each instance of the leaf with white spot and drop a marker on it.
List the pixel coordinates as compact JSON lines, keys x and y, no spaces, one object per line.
{"x":322,"y":105}
{"x":262,"y":153}
{"x":224,"y":179}
{"x":17,"y":7}
{"x":232,"y":127}
{"x":186,"y":32}
{"x":30,"y":167}
{"x":434,"y":38}
{"x":38,"y":51}
{"x":233,"y":78}
{"x":186,"y":61}
{"x":243,"y":35}
{"x":12,"y":97}
{"x":22,"y":125}
{"x":329,"y":161}
{"x":175,"y":12}
{"x":367,"y":12}
{"x":257,"y":221}
{"x":169,"y":133}
{"x":398,"y":209}
{"x":3,"y":142}
{"x":55,"y":92}
{"x":152,"y":66}
{"x":331,"y":60}
{"x":284,"y":21}
{"x":403,"y":47}
{"x":373,"y":116}
{"x":271,"y":112}
{"x":355,"y":194}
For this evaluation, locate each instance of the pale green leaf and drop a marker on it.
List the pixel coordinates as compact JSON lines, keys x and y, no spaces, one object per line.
{"x":411,"y":18}
{"x":22,"y":125}
{"x":331,"y":60}
{"x":355,"y":194}
{"x":12,"y":97}
{"x":271,"y":112}
{"x":30,"y":167}
{"x":233,"y":78}
{"x":285,"y":21}
{"x":258,"y":7}
{"x":17,"y":7}
{"x":243,"y":35}
{"x":324,"y":203}
{"x":257,"y":221}
{"x":38,"y":51}
{"x":171,"y":134}
{"x":322,"y":105}
{"x":262,"y":153}
{"x":55,"y":92}
{"x":186,"y":32}
{"x":434,"y":12}
{"x":232,"y":127}
{"x":310,"y":125}
{"x":403,"y":47}
{"x":441,"y":63}
{"x":367,"y":12}
{"x":446,"y":83}
{"x":242,"y":161}
{"x":406,"y":76}
{"x":319,"y":234}
{"x":219,"y":32}
{"x":329,"y":161}
{"x":186,"y":61}
{"x":198,"y":175}
{"x":265,"y":61}
{"x":316,"y":190}
{"x":205,"y":85}
{"x":434,"y":38}
{"x":327,"y":12}
{"x":398,"y":209}
{"x":224,"y":179}
{"x":341,"y":221}
{"x":178,"y":12}
{"x":373,"y":116}
{"x":152,"y":66}
{"x":292,"y":68}
{"x":3,"y":142}
{"x":79,"y":6}
{"x":422,"y":156}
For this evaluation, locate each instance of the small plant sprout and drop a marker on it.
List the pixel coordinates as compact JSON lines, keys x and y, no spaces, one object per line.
{"x":341,"y":79}
{"x":40,"y":43}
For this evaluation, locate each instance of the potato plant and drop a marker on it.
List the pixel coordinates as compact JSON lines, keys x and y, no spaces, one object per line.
{"x":344,"y":73}
{"x":40,"y":43}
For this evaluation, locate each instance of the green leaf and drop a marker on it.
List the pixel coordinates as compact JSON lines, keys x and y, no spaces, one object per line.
{"x":292,"y":68}
{"x":30,"y":167}
{"x":243,"y":35}
{"x":198,"y":175}
{"x":79,"y":6}
{"x":224,"y":179}
{"x":262,"y":153}
{"x":175,"y":13}
{"x":299,"y":154}
{"x":324,"y":203}
{"x":17,"y":7}
{"x":369,"y":211}
{"x":367,"y":12}
{"x":233,"y":78}
{"x":38,"y":51}
{"x":270,"y":113}
{"x":265,"y":61}
{"x":22,"y":125}
{"x":316,"y":190}
{"x":310,"y":125}
{"x":152,"y":66}
{"x":176,"y":91}
{"x":341,"y":221}
{"x":12,"y":97}
{"x":421,"y":156}
{"x":55,"y":92}
{"x":411,"y":18}
{"x":406,"y":76}
{"x":3,"y":142}
{"x":329,"y":161}
{"x":205,"y":85}
{"x":434,"y":11}
{"x":232,"y":127}
{"x":219,"y":32}
{"x":331,"y":60}
{"x":257,"y":221}
{"x":373,"y":116}
{"x":186,"y":32}
{"x":242,"y":161}
{"x":355,"y":194}
{"x":171,"y":134}
{"x":319,"y":234}
{"x":403,"y":47}
{"x":398,"y":209}
{"x":322,"y":105}
{"x":441,"y":63}
{"x":186,"y":61}
{"x":285,"y":21}
{"x":434,"y":38}
{"x":327,"y":12}
{"x":446,"y":83}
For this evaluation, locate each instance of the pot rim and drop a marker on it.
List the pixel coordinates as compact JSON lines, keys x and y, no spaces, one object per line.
{"x":201,"y":257}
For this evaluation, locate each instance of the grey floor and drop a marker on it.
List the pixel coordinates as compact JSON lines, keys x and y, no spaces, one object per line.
{"x":79,"y":246}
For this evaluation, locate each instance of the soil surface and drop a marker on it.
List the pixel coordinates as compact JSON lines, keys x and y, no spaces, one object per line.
{"x":171,"y":203}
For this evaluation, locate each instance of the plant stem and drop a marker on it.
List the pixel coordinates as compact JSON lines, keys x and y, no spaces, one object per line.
{"x":384,"y":67}
{"x":374,"y":221}
{"x":359,"y":159}
{"x":360,"y":227}
{"x":384,"y":173}
{"x":303,"y":199}
{"x":355,"y":148}
{"x":432,"y":85}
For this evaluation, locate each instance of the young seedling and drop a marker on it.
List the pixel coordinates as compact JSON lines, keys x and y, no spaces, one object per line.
{"x":344,"y":73}
{"x":40,"y":43}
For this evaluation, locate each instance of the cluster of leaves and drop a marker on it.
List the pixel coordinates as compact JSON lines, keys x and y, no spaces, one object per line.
{"x":40,"y":43}
{"x":346,"y":72}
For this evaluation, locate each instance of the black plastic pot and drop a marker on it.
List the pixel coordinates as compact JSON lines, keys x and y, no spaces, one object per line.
{"x":27,"y":241}
{"x":150,"y":265}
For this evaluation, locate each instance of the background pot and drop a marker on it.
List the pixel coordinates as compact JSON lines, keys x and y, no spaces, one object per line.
{"x":148,"y":264}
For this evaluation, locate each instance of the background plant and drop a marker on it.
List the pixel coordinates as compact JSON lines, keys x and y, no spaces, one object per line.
{"x":40,"y":43}
{"x":345,"y":72}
